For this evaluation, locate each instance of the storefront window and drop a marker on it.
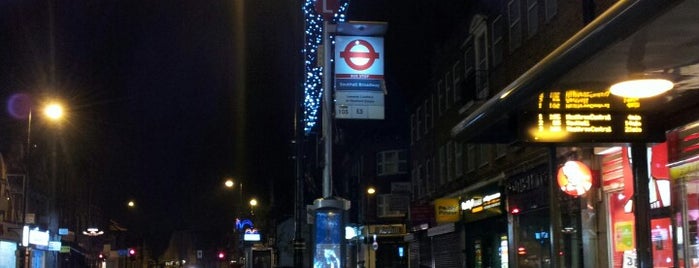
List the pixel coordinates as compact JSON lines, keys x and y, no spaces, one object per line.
{"x":688,"y":216}
{"x":533,"y":246}
{"x":622,"y":228}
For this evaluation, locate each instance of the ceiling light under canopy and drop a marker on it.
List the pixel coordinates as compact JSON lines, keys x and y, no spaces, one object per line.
{"x":644,"y":87}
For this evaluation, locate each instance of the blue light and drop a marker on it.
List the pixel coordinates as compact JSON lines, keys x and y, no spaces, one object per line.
{"x":313,"y":80}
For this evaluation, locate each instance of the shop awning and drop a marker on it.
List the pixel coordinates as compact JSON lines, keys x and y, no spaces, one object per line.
{"x":646,"y":35}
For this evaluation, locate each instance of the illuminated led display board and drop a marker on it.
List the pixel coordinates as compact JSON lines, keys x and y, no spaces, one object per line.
{"x":577,"y":115}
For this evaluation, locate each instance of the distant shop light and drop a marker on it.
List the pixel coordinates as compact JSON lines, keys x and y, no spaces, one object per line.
{"x":251,"y":237}
{"x":350,"y":232}
{"x":521,"y":251}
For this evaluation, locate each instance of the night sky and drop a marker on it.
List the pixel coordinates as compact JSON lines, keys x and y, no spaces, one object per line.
{"x":167,"y":98}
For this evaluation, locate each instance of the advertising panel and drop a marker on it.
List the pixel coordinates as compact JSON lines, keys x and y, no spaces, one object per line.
{"x":359,"y":84}
{"x":329,"y":234}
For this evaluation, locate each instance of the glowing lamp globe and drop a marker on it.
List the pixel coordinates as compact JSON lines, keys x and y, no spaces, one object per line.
{"x":574,"y":178}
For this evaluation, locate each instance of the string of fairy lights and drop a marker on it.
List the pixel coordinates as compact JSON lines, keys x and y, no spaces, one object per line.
{"x":313,"y":72}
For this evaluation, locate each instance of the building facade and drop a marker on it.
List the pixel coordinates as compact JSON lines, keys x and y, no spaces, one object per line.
{"x":494,"y":187}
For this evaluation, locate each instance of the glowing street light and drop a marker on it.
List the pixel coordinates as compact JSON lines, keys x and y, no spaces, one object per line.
{"x":53,"y":111}
{"x":253,"y":203}
{"x":371,"y":190}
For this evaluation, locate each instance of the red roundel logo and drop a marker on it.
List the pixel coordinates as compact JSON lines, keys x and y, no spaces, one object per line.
{"x":359,"y":55}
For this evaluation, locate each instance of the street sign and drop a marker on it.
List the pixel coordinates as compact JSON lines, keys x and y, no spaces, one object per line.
{"x":327,"y":8}
{"x":359,"y":84}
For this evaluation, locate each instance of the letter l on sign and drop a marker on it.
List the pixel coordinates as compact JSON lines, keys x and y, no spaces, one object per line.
{"x":327,"y":8}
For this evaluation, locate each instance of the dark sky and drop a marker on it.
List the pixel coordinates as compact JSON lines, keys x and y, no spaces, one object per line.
{"x":167,"y":98}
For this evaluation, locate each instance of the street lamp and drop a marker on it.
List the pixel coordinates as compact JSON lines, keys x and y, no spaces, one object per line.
{"x":253,"y":203}
{"x":371,"y":190}
{"x":54,"y":112}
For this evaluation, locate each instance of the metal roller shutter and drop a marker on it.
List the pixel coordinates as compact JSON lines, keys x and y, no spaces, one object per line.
{"x":446,"y":250}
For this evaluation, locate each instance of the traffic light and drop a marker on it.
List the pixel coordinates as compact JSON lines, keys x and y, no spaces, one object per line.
{"x":132,"y":253}
{"x":221,"y":255}
{"x":101,"y":257}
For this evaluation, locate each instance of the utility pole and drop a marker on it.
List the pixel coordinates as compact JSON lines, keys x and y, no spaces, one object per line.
{"x":299,"y":244}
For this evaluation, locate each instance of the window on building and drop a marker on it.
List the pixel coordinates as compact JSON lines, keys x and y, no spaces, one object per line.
{"x":483,"y":154}
{"x":412,"y":129}
{"x":442,"y":165}
{"x":500,"y":150}
{"x":391,"y":162}
{"x":450,"y":160}
{"x":551,"y":9}
{"x":432,"y":111}
{"x":514,"y":19}
{"x":458,"y":159}
{"x":469,"y":69}
{"x":457,"y":70}
{"x":392,"y":205}
{"x":440,"y":96}
{"x":497,"y":40}
{"x":471,"y":157}
{"x":429,"y":180}
{"x":415,"y":179}
{"x":480,"y":43}
{"x":418,"y":182}
{"x":448,"y":95}
{"x":532,"y":18}
{"x":428,"y":116}
{"x":418,"y":122}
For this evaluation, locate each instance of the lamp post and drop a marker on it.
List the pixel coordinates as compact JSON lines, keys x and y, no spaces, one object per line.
{"x":237,"y":208}
{"x":54,"y":112}
{"x":230,"y":184}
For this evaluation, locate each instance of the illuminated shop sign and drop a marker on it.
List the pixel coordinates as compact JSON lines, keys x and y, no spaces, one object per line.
{"x":574,"y":178}
{"x":251,"y":237}
{"x":478,"y":204}
{"x":587,"y":115}
{"x":482,"y":206}
{"x":35,"y":237}
{"x":446,"y":210}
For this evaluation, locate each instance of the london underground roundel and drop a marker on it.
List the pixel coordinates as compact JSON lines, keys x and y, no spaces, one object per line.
{"x":359,"y":55}
{"x":574,"y":178}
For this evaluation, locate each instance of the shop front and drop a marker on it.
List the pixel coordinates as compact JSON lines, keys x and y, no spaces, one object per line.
{"x":387,"y":246}
{"x":684,"y":173}
{"x":630,"y":213}
{"x":446,"y":238}
{"x":485,"y":227}
{"x":529,"y":212}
